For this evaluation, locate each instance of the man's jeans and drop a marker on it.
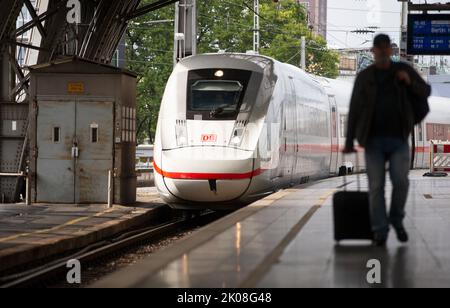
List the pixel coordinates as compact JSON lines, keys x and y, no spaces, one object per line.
{"x":379,"y":151}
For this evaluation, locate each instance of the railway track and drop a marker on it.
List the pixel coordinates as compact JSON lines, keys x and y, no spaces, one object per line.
{"x":56,"y":270}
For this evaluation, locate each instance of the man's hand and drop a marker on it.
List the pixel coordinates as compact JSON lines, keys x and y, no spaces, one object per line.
{"x":349,"y":150}
{"x":403,"y":76}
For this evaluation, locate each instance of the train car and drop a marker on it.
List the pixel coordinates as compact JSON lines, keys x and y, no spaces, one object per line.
{"x":234,"y":128}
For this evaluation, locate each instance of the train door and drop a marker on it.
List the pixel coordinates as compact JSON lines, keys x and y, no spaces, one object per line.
{"x":294,"y":142}
{"x":334,"y":135}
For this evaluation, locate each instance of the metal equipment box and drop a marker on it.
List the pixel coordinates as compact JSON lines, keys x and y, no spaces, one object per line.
{"x":83,"y":128}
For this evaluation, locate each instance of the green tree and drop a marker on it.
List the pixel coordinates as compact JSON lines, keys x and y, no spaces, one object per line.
{"x":228,"y":25}
{"x":222,"y":25}
{"x":149,"y":42}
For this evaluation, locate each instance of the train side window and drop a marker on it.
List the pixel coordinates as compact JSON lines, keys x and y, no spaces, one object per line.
{"x":56,"y":134}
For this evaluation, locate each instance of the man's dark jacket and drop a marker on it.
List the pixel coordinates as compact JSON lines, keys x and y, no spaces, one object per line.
{"x":414,"y":103}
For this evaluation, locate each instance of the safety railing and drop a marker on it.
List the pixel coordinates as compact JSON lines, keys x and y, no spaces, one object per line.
{"x":440,"y":156}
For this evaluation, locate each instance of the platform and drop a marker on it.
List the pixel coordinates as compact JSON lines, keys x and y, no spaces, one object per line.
{"x":31,"y":233}
{"x":286,"y":240}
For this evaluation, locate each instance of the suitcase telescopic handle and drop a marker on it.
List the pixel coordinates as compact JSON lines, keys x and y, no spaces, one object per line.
{"x":358,"y":177}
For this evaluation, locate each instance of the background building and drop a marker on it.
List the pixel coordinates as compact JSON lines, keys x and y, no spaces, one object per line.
{"x":317,"y":11}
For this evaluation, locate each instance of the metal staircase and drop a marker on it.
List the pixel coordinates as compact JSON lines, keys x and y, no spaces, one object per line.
{"x":14,"y":119}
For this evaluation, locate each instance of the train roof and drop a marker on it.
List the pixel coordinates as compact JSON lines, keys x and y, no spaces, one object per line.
{"x":256,"y":62}
{"x":251,"y":62}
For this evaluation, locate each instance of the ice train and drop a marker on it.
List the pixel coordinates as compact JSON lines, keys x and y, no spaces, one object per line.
{"x":234,"y":128}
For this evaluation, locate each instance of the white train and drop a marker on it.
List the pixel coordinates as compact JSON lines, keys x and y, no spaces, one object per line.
{"x":234,"y":128}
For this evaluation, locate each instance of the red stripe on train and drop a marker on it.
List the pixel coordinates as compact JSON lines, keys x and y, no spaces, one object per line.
{"x":248,"y":175}
{"x":207,"y":176}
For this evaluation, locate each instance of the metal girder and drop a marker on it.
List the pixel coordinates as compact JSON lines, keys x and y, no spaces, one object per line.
{"x":109,"y":26}
{"x":34,"y":17}
{"x":39,"y":19}
{"x":55,"y":26}
{"x":103,"y":25}
{"x":150,"y":8}
{"x":9,"y":12}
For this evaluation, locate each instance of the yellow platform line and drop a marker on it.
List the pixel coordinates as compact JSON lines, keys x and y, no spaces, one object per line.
{"x":59,"y":227}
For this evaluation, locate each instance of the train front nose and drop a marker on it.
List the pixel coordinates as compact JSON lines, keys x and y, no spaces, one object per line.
{"x":206,"y":174}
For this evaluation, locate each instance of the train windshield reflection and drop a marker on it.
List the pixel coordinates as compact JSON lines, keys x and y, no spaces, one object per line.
{"x":216,"y":96}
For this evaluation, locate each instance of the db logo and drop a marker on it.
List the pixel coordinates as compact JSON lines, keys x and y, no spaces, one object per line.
{"x":209,"y":138}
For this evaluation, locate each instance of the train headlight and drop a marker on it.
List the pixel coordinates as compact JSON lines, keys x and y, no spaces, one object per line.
{"x":182,"y":141}
{"x":236,"y":138}
{"x":219,"y":74}
{"x":181,"y":133}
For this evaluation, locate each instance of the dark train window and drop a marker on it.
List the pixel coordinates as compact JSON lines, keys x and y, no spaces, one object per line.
{"x":94,"y":134}
{"x":56,"y":134}
{"x":216,"y":94}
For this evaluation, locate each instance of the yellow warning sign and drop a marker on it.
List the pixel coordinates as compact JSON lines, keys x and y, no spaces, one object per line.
{"x":75,"y":88}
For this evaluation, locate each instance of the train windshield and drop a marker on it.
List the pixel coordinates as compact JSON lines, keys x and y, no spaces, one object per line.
{"x":218,"y":97}
{"x":216,"y":94}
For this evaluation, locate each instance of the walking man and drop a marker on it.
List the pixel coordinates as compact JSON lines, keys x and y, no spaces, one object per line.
{"x":388,"y":100}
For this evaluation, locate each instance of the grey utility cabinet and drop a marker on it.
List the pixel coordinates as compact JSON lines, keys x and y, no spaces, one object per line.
{"x":83,"y":125}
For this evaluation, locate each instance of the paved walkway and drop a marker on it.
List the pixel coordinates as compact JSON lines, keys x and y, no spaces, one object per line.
{"x":286,"y":240}
{"x":29,"y":233}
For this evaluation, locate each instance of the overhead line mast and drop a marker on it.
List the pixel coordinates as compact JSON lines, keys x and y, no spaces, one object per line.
{"x":256,"y":27}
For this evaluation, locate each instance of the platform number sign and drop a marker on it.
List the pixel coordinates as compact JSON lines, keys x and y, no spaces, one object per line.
{"x":74,"y":12}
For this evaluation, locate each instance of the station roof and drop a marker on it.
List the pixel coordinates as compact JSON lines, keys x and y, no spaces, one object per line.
{"x":76,"y":65}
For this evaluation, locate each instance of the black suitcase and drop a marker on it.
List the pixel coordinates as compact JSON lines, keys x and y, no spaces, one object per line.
{"x":352,"y":215}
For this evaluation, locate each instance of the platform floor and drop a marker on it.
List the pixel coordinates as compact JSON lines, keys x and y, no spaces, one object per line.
{"x":286,"y":240}
{"x":30,"y":233}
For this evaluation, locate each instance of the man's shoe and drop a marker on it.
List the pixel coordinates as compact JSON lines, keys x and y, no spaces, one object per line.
{"x":380,"y":241}
{"x":402,"y":235}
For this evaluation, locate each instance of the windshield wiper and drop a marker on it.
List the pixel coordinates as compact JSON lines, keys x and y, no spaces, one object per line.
{"x":216,"y":112}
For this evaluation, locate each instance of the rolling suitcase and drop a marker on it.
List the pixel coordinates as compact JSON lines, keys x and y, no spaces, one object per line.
{"x":352,"y":214}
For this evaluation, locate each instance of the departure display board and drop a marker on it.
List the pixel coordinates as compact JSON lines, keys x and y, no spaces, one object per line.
{"x":429,"y":34}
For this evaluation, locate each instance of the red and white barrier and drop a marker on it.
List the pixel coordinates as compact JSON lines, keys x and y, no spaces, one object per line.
{"x":440,"y":156}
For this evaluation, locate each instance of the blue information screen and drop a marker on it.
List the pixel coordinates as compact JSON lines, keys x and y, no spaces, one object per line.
{"x":429,"y":34}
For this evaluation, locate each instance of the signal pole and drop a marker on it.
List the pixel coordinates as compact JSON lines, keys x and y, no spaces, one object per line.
{"x":404,"y":33}
{"x":303,"y":54}
{"x":256,"y":28}
{"x":185,"y":38}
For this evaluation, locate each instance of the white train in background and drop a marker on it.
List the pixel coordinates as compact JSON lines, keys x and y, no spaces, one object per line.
{"x":234,"y":128}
